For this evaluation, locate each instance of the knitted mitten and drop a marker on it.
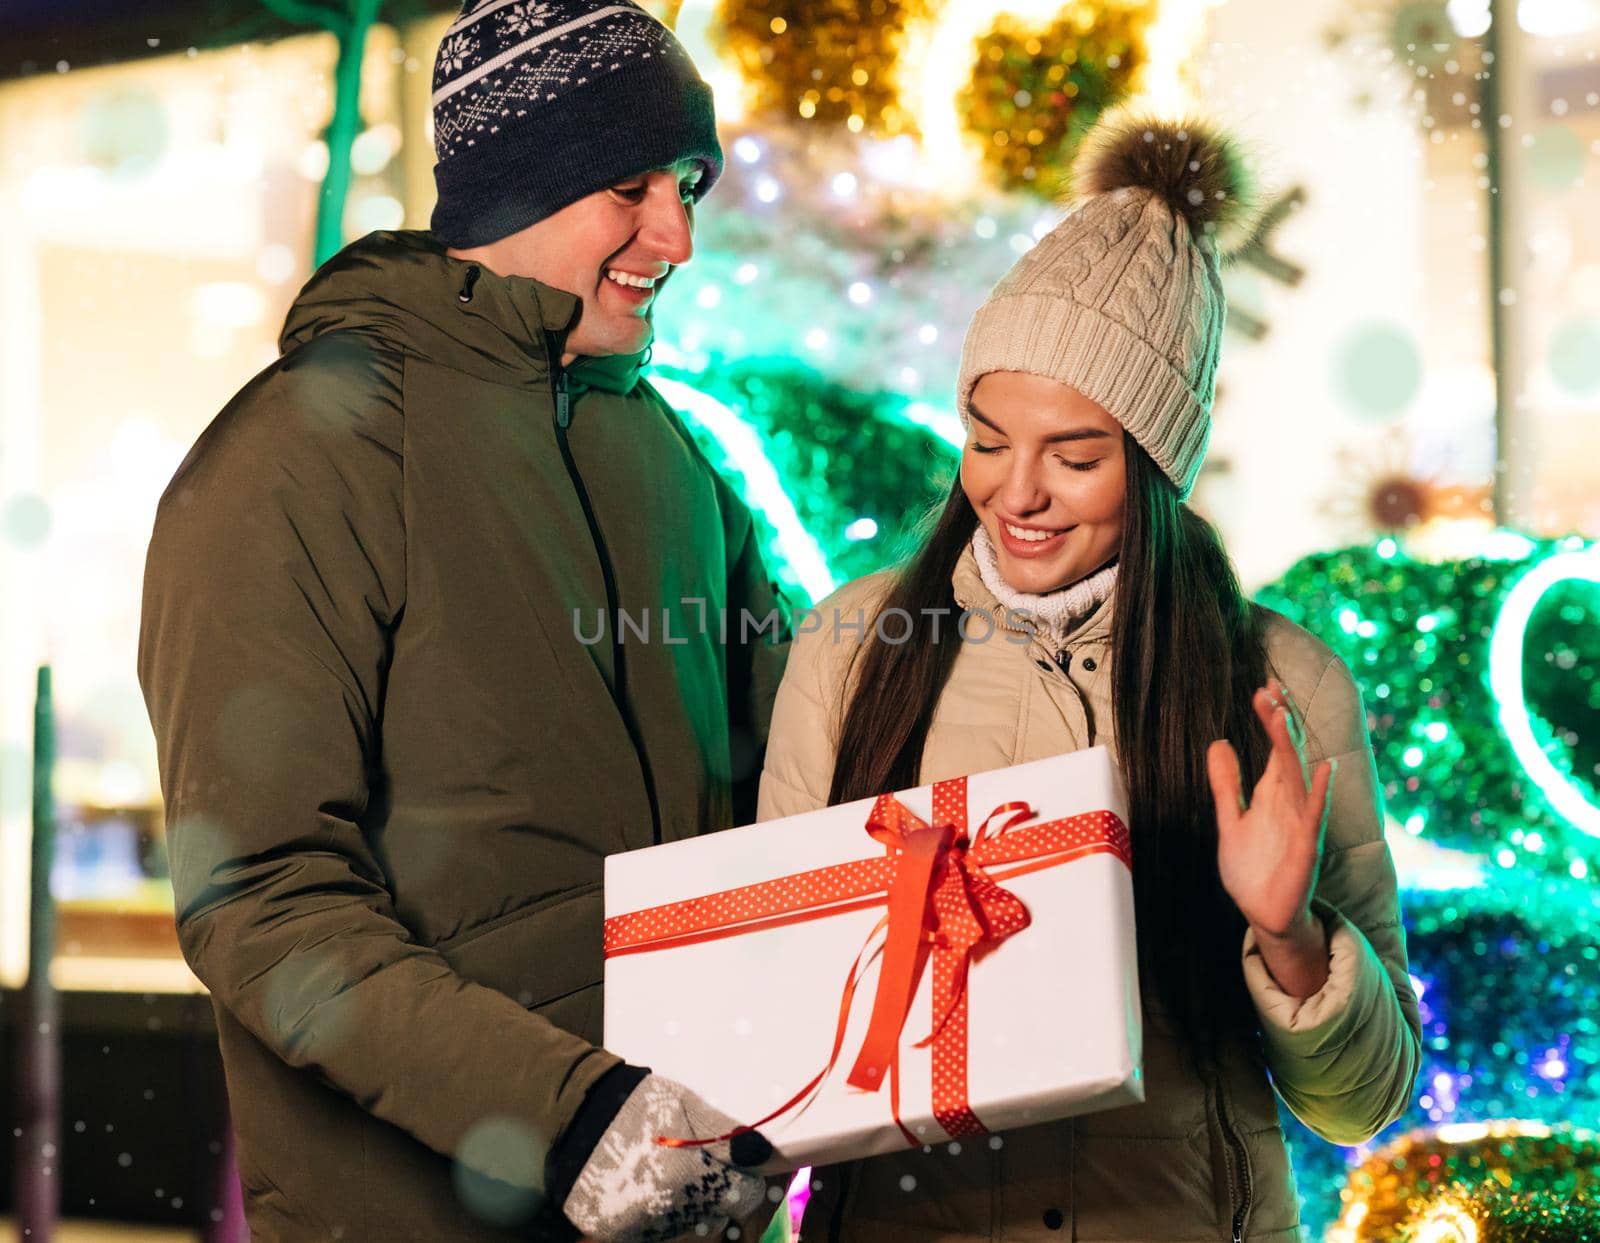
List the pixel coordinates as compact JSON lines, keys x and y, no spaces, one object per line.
{"x":634,"y":1190}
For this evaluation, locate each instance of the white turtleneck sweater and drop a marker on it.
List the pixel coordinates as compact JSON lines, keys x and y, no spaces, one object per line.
{"x":1057,"y":613}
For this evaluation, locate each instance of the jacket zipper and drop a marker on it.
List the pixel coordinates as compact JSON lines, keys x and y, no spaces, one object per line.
{"x":1238,"y":1166}
{"x":619,"y":692}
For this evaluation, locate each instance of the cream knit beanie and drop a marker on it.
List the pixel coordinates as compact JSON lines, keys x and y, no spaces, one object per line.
{"x":1123,"y":299}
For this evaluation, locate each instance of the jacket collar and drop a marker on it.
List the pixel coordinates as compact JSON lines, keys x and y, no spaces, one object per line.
{"x":973,"y":593}
{"x":403,"y":288}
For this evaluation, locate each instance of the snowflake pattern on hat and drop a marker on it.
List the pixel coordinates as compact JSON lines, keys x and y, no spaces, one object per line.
{"x":455,"y":53}
{"x":502,"y":58}
{"x":522,"y":20}
{"x":537,"y":103}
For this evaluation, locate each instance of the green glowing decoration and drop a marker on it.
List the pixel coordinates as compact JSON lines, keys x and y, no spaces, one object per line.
{"x":794,"y":552}
{"x":1506,"y":680}
{"x":841,"y":457}
{"x":1417,"y":636}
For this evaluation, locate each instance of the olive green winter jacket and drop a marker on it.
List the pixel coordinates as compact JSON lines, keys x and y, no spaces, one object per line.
{"x":396,"y":746}
{"x":1203,"y":1157}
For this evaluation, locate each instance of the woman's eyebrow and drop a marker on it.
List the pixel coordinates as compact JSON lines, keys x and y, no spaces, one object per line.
{"x":979,"y":415}
{"x":1077,"y":433}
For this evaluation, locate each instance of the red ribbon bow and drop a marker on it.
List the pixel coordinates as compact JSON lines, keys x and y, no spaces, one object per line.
{"x":943,"y":905}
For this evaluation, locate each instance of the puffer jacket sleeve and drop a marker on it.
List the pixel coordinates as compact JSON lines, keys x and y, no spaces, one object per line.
{"x":799,"y":762}
{"x":275,"y":578}
{"x":760,"y":637}
{"x":811,"y":699}
{"x":1345,"y":1059}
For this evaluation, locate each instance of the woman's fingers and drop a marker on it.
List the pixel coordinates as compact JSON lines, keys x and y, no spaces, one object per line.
{"x":1265,"y":705}
{"x":1274,"y":707}
{"x":1321,"y":799}
{"x":1296,"y":728}
{"x":1222,"y":767}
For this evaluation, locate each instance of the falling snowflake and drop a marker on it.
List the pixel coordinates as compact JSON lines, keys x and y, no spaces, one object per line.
{"x":456,"y":51}
{"x":523,"y":19}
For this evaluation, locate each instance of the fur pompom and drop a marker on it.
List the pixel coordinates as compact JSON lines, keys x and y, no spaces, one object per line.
{"x":1199,"y":170}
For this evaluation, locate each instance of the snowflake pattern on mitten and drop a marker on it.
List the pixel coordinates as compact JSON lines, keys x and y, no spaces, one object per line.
{"x":635,"y":1190}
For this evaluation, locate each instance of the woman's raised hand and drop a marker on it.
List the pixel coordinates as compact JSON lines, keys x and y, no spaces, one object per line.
{"x":1269,"y":850}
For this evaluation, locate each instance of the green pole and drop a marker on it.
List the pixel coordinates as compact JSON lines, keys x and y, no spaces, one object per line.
{"x":38,"y":1167}
{"x":349,"y":23}
{"x":343,"y":127}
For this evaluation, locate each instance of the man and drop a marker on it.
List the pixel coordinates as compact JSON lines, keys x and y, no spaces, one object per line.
{"x":394,"y":747}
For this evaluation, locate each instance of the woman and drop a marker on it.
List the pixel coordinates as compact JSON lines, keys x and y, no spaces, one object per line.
{"x":1268,"y":927}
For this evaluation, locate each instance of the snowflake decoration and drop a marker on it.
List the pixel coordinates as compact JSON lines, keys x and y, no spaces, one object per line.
{"x":456,"y":51}
{"x":523,"y":19}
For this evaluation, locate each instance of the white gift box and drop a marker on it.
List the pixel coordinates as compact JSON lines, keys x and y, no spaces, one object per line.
{"x":728,"y":957}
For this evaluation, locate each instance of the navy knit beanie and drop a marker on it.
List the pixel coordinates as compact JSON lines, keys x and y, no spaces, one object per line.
{"x":537,"y":103}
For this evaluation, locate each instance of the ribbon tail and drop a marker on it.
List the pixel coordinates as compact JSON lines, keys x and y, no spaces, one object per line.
{"x":1015,"y":813}
{"x":904,"y":954}
{"x":802,"y":1099}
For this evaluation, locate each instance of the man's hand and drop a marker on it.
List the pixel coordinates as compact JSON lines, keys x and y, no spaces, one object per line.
{"x":636,"y":1190}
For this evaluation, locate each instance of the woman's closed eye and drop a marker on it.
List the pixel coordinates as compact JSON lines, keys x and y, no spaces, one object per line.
{"x":977,"y":446}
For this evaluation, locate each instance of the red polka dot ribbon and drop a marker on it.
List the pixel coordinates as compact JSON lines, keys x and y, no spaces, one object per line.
{"x":940,"y":885}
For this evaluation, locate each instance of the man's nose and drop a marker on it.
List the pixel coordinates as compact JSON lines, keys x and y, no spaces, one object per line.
{"x":668,"y":227}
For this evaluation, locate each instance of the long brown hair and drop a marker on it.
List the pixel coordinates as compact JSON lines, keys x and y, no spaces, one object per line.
{"x":1187,"y":655}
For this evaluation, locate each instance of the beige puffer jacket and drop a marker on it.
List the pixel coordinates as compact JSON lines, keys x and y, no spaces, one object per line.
{"x":1199,"y":1159}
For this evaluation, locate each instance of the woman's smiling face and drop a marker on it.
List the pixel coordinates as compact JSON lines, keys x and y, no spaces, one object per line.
{"x":1043,"y":468}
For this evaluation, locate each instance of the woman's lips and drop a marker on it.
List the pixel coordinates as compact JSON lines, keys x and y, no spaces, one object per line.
{"x":1031,"y":548}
